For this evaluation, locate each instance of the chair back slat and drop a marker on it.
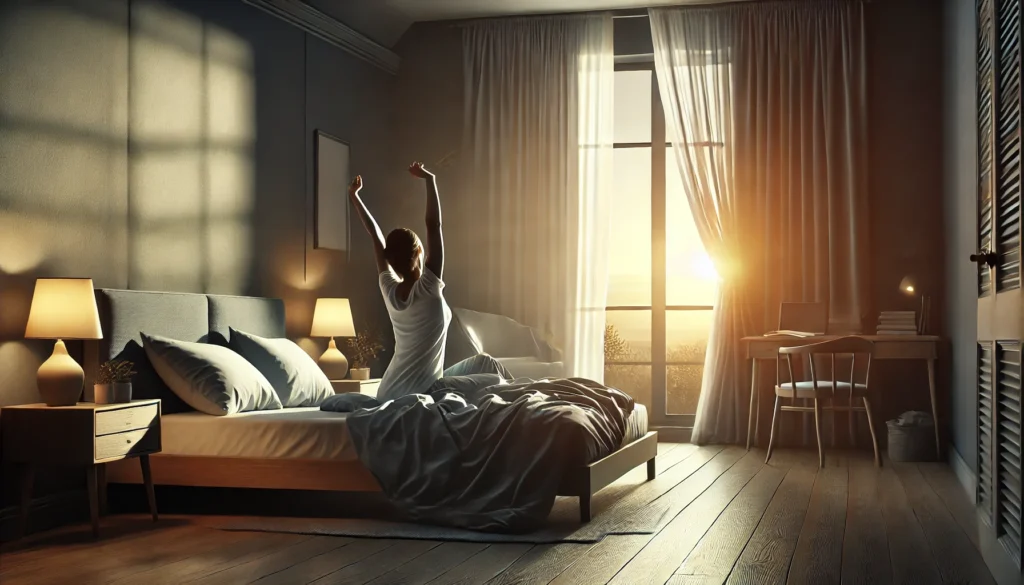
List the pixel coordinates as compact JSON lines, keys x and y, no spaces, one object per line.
{"x":843,"y":347}
{"x":852,"y":344}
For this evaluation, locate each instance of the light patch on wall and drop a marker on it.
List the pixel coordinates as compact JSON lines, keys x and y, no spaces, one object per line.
{"x":192,"y":139}
{"x":63,"y":122}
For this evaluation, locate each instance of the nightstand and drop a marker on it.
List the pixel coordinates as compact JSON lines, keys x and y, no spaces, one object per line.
{"x":87,"y":435}
{"x":368,"y":387}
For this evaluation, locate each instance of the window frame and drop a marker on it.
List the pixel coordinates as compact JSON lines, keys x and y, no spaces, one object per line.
{"x":659,"y":308}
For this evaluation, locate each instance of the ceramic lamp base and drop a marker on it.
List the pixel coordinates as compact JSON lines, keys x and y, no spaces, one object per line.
{"x":60,"y":378}
{"x":333,"y":362}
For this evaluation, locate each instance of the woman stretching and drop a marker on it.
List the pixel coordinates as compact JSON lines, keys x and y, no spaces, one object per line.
{"x":412,"y":291}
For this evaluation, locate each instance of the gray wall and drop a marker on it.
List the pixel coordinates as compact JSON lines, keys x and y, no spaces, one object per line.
{"x":168,"y":146}
{"x":960,"y":166}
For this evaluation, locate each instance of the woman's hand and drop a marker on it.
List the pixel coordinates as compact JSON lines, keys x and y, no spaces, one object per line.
{"x":416,"y":169}
{"x":357,"y":184}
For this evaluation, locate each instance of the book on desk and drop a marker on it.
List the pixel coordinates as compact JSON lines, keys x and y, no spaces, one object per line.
{"x":791,"y":333}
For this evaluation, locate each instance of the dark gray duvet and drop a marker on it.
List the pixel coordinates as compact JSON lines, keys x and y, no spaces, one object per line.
{"x":489,"y":458}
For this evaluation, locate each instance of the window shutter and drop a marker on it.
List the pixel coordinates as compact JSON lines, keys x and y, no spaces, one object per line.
{"x":986,"y":413}
{"x":1007,"y":62}
{"x":986,"y":86}
{"x":1008,"y":417}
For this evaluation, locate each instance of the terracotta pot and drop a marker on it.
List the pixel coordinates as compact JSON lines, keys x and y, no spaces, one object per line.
{"x":359,"y":373}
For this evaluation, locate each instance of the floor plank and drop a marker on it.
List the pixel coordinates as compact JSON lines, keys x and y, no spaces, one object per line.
{"x":767,"y":555}
{"x":72,"y":546}
{"x":276,"y":561}
{"x":250,"y":545}
{"x":955,"y":556}
{"x":433,"y":563}
{"x":908,"y":550}
{"x":818,"y":557}
{"x":946,"y":485}
{"x":541,"y":564}
{"x":483,"y":566}
{"x":143,"y":559}
{"x":324,"y":564}
{"x":700,"y":503}
{"x":865,"y":547}
{"x":116,"y":561}
{"x":371,"y":567}
{"x":713,"y":558}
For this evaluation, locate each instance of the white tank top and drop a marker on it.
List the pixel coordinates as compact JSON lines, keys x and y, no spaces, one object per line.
{"x":421,"y":327}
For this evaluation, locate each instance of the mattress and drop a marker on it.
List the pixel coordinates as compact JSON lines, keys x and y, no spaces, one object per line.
{"x":636,"y":424}
{"x":290,"y":433}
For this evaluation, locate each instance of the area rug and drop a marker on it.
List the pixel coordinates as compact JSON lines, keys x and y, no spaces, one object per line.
{"x":630,"y":506}
{"x":563,"y":526}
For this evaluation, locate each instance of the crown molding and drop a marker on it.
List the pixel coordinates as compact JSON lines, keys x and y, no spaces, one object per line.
{"x":324,"y":27}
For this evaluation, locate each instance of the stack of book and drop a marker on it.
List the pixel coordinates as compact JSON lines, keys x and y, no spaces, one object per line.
{"x":897,"y":323}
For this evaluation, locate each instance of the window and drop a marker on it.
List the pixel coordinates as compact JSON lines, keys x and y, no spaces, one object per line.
{"x":662,"y":285}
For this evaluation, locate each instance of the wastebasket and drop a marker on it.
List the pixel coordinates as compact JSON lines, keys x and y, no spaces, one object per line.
{"x":911,"y":437}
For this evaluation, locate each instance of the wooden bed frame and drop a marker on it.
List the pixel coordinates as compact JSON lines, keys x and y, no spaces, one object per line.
{"x":198,"y":317}
{"x":352,"y":476}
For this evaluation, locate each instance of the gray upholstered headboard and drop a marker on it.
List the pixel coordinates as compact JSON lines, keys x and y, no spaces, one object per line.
{"x":124,"y":314}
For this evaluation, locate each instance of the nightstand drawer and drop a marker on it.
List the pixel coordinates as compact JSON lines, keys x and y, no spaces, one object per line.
{"x":128,"y":443}
{"x":130,"y":418}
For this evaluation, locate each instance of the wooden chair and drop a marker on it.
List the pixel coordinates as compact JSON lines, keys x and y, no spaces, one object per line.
{"x":817,"y":390}
{"x":793,"y":316}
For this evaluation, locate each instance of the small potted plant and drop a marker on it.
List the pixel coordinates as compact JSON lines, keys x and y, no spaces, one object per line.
{"x":365,"y":346}
{"x":113,"y":382}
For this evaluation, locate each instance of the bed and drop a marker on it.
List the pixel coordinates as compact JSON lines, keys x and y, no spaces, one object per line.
{"x":293,"y":448}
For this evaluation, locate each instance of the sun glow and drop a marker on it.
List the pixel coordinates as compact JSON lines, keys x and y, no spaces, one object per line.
{"x":703,"y":268}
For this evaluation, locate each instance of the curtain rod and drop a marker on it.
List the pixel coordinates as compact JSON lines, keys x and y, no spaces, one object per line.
{"x":618,"y":13}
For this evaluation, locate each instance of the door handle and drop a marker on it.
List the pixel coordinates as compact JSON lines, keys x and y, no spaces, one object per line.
{"x":985,"y":256}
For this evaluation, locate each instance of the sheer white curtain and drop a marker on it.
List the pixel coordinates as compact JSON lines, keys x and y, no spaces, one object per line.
{"x":538,"y":95}
{"x":770,"y":100}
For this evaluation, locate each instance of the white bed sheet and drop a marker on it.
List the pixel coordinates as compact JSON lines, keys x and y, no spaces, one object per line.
{"x":636,"y":424}
{"x":289,"y":433}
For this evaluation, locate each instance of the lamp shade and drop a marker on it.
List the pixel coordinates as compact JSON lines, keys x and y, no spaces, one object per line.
{"x":63,"y":308}
{"x":332,"y":318}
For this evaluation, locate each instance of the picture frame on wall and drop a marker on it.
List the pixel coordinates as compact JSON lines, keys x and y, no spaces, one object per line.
{"x":330,"y":196}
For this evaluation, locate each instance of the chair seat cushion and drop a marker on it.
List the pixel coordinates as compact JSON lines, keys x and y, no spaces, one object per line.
{"x":806,"y":389}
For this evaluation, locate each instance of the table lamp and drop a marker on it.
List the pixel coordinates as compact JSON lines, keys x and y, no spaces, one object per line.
{"x":911,"y":287}
{"x":62,"y":308}
{"x":333,"y":318}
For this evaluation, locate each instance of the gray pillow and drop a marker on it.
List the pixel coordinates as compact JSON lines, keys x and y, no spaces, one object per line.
{"x":210,"y":378}
{"x":296,"y":378}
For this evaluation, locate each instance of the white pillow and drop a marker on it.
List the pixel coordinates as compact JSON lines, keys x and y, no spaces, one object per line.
{"x":210,"y":378}
{"x":296,"y":378}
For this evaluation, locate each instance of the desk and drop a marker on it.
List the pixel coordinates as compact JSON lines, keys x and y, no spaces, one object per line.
{"x":887,"y":347}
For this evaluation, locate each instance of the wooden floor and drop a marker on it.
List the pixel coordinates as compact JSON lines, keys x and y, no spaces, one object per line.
{"x":736,"y":521}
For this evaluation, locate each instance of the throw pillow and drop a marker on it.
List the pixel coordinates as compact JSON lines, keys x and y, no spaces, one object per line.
{"x":296,"y":378}
{"x":210,"y":378}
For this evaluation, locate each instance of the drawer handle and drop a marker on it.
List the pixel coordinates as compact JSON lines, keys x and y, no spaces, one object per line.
{"x":128,"y":441}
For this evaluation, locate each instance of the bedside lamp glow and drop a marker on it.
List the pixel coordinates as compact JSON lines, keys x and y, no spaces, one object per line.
{"x":333,"y":318}
{"x":62,"y":308}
